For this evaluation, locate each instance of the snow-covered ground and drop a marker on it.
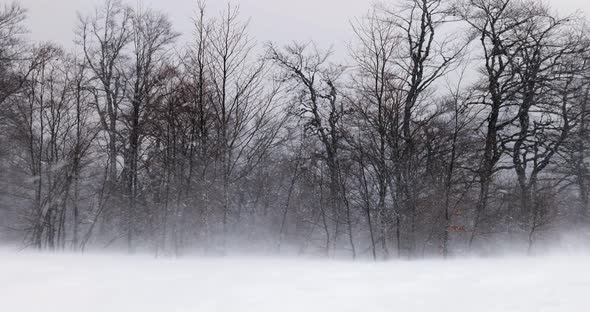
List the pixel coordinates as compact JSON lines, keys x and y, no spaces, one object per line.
{"x":47,"y":283}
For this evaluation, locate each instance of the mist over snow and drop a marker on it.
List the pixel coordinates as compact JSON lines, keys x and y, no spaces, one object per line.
{"x":32,"y":282}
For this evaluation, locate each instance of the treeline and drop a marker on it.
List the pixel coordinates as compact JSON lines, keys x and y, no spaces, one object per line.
{"x":451,"y":126}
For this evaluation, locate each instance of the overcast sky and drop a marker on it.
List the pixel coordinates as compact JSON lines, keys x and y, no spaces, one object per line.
{"x":281,"y":21}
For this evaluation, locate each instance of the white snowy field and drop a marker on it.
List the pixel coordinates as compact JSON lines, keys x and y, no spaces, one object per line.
{"x":35,"y":283}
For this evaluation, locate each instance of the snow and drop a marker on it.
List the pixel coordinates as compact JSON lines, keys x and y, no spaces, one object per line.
{"x":72,"y":283}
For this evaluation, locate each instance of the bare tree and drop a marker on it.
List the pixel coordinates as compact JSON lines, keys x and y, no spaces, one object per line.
{"x":12,"y":17}
{"x":103,"y":38}
{"x":244,"y":114}
{"x":151,"y":39}
{"x":426,"y":54}
{"x":315,"y":81}
{"x":493,"y":22}
{"x":375,"y":58}
{"x":546,"y":68}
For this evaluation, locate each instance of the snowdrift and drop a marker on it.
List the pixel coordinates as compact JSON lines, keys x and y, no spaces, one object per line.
{"x":64,"y":283}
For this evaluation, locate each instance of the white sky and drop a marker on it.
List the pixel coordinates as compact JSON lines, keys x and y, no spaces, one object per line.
{"x":280,"y":21}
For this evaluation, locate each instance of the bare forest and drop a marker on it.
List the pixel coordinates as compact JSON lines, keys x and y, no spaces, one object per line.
{"x":452,"y":127}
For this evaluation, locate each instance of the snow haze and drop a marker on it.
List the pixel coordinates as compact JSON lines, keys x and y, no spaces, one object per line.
{"x":63,"y":283}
